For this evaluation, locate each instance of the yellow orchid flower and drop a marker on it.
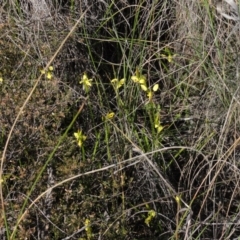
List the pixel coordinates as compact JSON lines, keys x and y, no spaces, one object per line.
{"x":144,"y":87}
{"x":80,"y":137}
{"x":49,"y":73}
{"x":151,"y":215}
{"x":159,"y":127}
{"x":139,"y":78}
{"x":86,"y":82}
{"x":109,"y":116}
{"x":50,"y":68}
{"x":155,"y":87}
{"x":157,"y":123}
{"x":117,"y":83}
{"x":150,"y":92}
{"x":168,"y":55}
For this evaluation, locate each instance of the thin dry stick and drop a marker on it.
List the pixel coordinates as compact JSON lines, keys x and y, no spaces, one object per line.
{"x":25,"y":103}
